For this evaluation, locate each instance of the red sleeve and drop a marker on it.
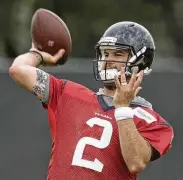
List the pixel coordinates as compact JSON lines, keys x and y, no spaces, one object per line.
{"x":56,"y":87}
{"x":154,"y":129}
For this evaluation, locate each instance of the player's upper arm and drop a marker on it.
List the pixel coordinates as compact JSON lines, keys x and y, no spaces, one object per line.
{"x":32,"y":79}
{"x":155,"y":130}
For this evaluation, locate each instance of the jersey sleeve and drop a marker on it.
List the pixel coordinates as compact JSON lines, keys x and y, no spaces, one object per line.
{"x":56,"y":88}
{"x":154,"y":129}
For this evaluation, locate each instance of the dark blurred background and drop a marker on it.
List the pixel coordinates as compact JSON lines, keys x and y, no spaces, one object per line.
{"x":24,"y":132}
{"x":87,"y":20}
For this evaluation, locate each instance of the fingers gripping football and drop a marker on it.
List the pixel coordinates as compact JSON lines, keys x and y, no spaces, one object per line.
{"x":126,"y":91}
{"x":49,"y":59}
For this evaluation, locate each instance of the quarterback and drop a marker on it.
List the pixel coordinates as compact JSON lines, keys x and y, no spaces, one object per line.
{"x":110,"y":134}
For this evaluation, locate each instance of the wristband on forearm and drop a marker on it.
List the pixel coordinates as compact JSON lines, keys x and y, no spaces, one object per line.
{"x":38,"y":55}
{"x":123,"y":113}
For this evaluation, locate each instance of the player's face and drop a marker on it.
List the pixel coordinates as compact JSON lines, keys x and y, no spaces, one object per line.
{"x":111,"y":55}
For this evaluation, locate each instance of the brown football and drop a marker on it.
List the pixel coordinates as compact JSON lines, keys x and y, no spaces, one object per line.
{"x":49,"y":33}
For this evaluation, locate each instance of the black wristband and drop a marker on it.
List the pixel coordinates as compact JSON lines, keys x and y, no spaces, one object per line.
{"x":39,"y":55}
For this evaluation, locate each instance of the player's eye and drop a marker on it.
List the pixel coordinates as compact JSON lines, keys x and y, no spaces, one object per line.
{"x":106,"y":55}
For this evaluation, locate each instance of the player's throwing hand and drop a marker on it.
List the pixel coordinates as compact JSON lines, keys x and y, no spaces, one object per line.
{"x":48,"y":59}
{"x":125,"y":92}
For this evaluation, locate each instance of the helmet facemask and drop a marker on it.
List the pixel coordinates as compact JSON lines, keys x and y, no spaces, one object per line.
{"x":105,"y":74}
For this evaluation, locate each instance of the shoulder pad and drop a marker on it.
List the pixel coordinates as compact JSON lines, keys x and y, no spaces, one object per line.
{"x":139,"y":101}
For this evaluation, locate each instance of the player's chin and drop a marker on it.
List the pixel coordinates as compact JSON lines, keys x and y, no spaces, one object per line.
{"x":110,"y":85}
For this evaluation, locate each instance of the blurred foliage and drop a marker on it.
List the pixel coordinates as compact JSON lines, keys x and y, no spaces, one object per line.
{"x":87,"y":21}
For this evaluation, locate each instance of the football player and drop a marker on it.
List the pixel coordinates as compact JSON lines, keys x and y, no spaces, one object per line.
{"x":112,"y":134}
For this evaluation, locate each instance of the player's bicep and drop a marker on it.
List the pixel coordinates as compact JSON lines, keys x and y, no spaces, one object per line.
{"x":33,"y":80}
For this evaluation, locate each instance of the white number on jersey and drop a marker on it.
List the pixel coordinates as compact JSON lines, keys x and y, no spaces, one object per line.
{"x":101,"y":144}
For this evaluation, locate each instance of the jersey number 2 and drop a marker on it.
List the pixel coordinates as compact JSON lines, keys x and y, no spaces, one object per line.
{"x":101,"y":144}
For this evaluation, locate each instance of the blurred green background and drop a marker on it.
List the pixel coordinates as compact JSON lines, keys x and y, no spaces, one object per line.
{"x":88,"y":19}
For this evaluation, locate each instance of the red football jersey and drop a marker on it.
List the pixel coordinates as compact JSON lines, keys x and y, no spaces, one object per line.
{"x":85,"y":136}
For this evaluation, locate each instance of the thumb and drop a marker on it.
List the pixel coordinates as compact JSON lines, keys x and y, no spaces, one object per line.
{"x":137,"y":91}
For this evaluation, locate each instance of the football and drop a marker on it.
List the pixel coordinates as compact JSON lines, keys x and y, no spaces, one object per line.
{"x":50,"y":33}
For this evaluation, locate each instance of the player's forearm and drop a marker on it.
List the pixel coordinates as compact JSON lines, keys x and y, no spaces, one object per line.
{"x":24,"y":72}
{"x":28,"y":59}
{"x":135,"y":150}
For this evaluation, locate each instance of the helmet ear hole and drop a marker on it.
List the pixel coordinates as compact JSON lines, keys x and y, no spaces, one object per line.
{"x":141,"y":66}
{"x":144,"y":60}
